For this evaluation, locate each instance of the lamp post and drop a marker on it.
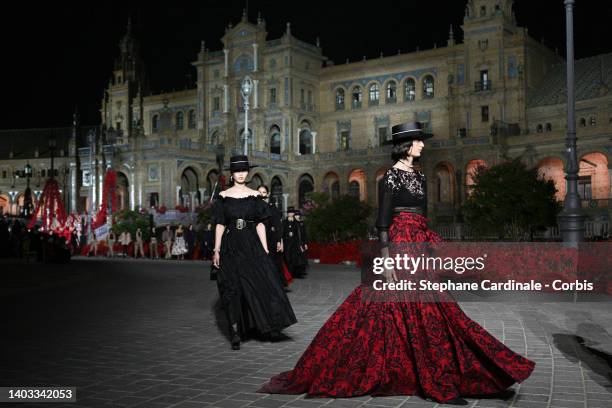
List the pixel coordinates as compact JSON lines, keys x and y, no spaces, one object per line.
{"x":571,"y":219}
{"x":246,"y":88}
{"x":27,"y":200}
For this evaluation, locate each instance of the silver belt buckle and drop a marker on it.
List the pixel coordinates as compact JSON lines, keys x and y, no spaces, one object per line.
{"x":290,"y":233}
{"x":272,"y":228}
{"x":240,"y":223}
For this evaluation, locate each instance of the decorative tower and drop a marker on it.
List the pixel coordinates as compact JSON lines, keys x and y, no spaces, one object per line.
{"x":491,"y":56}
{"x":122,"y":106}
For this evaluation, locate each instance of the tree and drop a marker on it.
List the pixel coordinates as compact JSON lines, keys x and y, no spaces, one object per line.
{"x":511,"y":201}
{"x":204,"y":213}
{"x":342,"y":219}
{"x":128,"y":220}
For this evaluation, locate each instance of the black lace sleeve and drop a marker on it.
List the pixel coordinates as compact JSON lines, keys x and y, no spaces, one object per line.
{"x":217,"y":212}
{"x":425,"y":197}
{"x":385,"y":209}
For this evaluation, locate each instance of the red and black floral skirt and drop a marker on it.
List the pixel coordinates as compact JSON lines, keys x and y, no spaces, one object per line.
{"x":431,"y":349}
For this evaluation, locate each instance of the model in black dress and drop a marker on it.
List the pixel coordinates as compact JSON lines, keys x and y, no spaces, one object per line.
{"x":293,"y":248}
{"x":251,"y":293}
{"x":274,"y":234}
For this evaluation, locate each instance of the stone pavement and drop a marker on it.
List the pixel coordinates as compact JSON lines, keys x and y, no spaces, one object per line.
{"x":138,"y":333}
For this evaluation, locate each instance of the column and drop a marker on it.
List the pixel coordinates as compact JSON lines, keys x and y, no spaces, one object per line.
{"x":202,"y":195}
{"x":93,"y":180}
{"x":178,"y":195}
{"x":73,"y":187}
{"x":100,"y":171}
{"x":285,"y":202}
{"x":255,"y":57}
{"x":314,"y":142}
{"x":225,"y":98}
{"x":255,"y":94}
{"x":297,"y":144}
{"x":226,"y":52}
{"x":133,"y":190}
{"x":192,"y":197}
{"x":139,"y":188}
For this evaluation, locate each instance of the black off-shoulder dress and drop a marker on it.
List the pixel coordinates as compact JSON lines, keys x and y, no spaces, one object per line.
{"x":248,"y":283}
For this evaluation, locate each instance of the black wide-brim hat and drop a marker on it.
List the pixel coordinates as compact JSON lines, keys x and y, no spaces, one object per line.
{"x":405,"y":132}
{"x":239,"y":163}
{"x":291,"y":209}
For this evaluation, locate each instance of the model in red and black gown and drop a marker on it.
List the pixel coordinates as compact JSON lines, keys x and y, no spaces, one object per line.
{"x":381,"y":348}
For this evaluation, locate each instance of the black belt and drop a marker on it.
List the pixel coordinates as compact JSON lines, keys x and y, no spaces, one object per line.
{"x":240,"y":223}
{"x":416,"y":210}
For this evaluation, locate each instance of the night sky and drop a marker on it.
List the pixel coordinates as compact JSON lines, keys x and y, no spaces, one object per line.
{"x":56,"y":57}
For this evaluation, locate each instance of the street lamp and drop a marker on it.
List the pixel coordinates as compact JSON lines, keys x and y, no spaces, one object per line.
{"x":245,"y":90}
{"x":571,"y":219}
{"x":27,"y":200}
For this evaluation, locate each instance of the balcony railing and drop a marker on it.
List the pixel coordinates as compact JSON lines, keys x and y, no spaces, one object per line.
{"x":480,"y":86}
{"x":596,"y":203}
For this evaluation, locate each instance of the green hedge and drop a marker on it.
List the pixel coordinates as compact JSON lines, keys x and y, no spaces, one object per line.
{"x":128,"y":220}
{"x":343,"y":219}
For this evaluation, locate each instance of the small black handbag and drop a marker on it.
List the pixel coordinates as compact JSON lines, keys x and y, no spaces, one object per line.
{"x":213,"y":272}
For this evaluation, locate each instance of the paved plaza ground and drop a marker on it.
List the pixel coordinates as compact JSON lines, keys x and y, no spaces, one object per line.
{"x":139,"y":333}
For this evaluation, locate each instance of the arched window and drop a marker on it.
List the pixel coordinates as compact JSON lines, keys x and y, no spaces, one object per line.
{"x":539,"y":128}
{"x":374,"y":94}
{"x":276,"y":192}
{"x":255,"y":182}
{"x":357,"y":97}
{"x":409,"y":90}
{"x":391,"y":92}
{"x":305,"y":186}
{"x":335,"y":190}
{"x":243,"y":64}
{"x":353,"y":189}
{"x":428,"y":87}
{"x":582,"y":122}
{"x":483,"y":11}
{"x":548,"y":127}
{"x":192,"y":119}
{"x":155,"y":123}
{"x":305,"y":142}
{"x":340,"y":99}
{"x":180,"y":119}
{"x":214,"y":138}
{"x":275,"y":140}
{"x":189,"y":185}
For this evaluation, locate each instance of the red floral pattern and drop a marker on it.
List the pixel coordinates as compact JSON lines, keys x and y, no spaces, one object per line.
{"x":378,"y":348}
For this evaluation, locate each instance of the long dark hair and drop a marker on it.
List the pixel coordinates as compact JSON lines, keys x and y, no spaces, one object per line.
{"x":400,"y":151}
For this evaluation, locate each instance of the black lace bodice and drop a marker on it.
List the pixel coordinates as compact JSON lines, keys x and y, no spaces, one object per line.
{"x":400,"y":188}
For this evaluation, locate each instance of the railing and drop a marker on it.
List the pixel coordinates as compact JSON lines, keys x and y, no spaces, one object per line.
{"x":597,"y":203}
{"x":480,"y":86}
{"x":174,"y":217}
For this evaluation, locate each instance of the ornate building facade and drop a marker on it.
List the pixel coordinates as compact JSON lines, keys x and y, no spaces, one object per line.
{"x":316,"y":125}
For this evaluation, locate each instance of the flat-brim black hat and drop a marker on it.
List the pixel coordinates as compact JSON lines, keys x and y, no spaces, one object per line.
{"x":290,"y":209}
{"x":239,"y":163}
{"x":407,"y":131}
